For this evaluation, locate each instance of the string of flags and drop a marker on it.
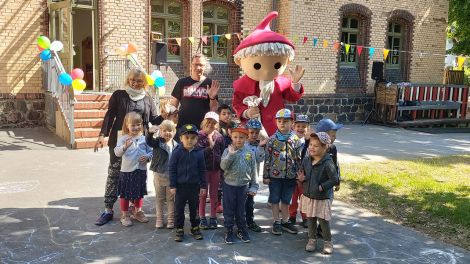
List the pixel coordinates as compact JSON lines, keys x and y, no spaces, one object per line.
{"x":315,"y":41}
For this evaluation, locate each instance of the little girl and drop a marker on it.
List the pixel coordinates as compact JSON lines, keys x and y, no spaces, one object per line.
{"x":135,"y":154}
{"x":212,"y":143}
{"x":162,"y":146}
{"x":319,"y":176}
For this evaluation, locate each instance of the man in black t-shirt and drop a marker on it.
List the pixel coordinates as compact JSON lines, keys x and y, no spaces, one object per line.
{"x":196,"y":94}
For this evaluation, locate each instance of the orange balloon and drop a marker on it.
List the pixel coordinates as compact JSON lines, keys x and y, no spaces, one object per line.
{"x":131,"y":48}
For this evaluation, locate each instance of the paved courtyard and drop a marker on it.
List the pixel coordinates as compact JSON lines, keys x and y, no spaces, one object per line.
{"x":50,"y":197}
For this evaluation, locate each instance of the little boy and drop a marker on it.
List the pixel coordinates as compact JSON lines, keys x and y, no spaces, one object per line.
{"x":239,"y":165}
{"x":282,"y":160}
{"x":187,"y":180}
{"x":254,"y":127}
{"x":301,"y":124}
{"x":225,"y":124}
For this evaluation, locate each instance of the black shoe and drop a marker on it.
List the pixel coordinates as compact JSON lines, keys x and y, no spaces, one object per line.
{"x":104,"y":218}
{"x":289,"y":227}
{"x":254,"y":227}
{"x":203,"y":224}
{"x":196,"y":233}
{"x":292,"y":220}
{"x":179,"y":236}
{"x":244,"y":236}
{"x":213,"y":223}
{"x":229,"y":237}
{"x":277,"y":229}
{"x":304,"y":223}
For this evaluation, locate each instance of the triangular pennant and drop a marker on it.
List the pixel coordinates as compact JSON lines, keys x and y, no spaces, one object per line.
{"x":216,"y":38}
{"x":191,"y":39}
{"x":204,"y":39}
{"x":315,"y":40}
{"x":460,"y":62}
{"x":228,"y":36}
{"x":296,"y":39}
{"x":347,"y":46}
{"x":239,"y":36}
{"x":336,"y":45}
{"x":386,"y":51}
{"x":325,"y":44}
{"x":178,"y":41}
{"x":359,"y":50}
{"x":371,"y":52}
{"x":305,"y":39}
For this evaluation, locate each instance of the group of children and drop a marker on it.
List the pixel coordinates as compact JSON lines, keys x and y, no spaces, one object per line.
{"x":225,"y":157}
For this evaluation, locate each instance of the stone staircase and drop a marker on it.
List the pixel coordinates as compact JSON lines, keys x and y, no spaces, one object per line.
{"x":88,"y":117}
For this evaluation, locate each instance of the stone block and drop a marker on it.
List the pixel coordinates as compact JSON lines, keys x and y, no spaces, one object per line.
{"x":354,"y":108}
{"x":342,"y":118}
{"x":313,"y":109}
{"x":351,"y":117}
{"x":317,"y":118}
{"x":345,"y":109}
{"x":323,"y":109}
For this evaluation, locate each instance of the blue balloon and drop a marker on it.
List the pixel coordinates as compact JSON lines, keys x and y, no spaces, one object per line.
{"x":65,"y":78}
{"x":45,"y":55}
{"x":159,"y":82}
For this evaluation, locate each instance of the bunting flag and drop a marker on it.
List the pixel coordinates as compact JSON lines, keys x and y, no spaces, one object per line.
{"x":191,"y":39}
{"x":315,"y":40}
{"x":296,"y":39}
{"x":178,"y":41}
{"x":305,"y":39}
{"x":460,"y":62}
{"x":336,"y":45}
{"x":204,"y":39}
{"x":228,"y":36}
{"x":325,"y":44}
{"x":348,"y":46}
{"x":216,"y":38}
{"x":359,"y":50}
{"x":371,"y":52}
{"x":386,"y":51}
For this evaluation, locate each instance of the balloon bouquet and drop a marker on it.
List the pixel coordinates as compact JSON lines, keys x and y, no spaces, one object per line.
{"x":75,"y":78}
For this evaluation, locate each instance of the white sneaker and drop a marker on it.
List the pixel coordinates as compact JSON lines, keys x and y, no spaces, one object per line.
{"x":126,"y":220}
{"x":327,"y":247}
{"x":311,"y":245}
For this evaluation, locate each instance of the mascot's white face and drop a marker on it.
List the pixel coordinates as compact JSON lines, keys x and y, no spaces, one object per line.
{"x":263,"y":68}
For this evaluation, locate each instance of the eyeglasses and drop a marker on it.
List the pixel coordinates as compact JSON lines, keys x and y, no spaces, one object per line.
{"x":136,"y":81}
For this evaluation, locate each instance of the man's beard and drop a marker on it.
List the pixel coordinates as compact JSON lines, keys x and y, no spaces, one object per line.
{"x":266,"y":89}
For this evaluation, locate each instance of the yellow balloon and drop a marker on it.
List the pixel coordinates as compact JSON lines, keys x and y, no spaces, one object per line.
{"x":150,"y":81}
{"x":161,"y":91}
{"x":78,"y":84}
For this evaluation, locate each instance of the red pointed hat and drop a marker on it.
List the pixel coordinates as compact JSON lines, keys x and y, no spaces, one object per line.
{"x":263,"y":34}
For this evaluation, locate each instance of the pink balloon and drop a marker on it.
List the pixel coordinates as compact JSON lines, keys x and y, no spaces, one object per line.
{"x":77,"y":73}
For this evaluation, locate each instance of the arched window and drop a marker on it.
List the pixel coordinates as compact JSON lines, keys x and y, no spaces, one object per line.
{"x":167,"y":21}
{"x":216,"y":22}
{"x":349,"y":35}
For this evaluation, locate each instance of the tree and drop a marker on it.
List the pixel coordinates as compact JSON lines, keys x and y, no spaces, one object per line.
{"x":459,"y":26}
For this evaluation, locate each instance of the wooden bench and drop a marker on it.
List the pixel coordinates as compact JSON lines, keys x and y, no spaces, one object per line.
{"x":429,"y":105}
{"x":431,"y":122}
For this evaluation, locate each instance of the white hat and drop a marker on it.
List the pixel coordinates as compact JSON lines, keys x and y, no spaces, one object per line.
{"x":212,"y":115}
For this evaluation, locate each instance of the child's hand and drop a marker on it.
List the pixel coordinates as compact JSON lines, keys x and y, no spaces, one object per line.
{"x":143,"y":159}
{"x":320,"y":188}
{"x":202,"y":192}
{"x":211,"y":141}
{"x":153,"y":129}
{"x":301,"y":175}
{"x":128,"y":143}
{"x":266,"y":181}
{"x":173,"y":191}
{"x":231,"y":149}
{"x":252,"y":193}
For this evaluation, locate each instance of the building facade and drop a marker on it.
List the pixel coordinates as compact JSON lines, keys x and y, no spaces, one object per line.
{"x":338,"y":82}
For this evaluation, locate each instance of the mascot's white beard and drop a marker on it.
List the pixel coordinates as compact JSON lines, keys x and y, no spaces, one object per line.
{"x":266,"y":89}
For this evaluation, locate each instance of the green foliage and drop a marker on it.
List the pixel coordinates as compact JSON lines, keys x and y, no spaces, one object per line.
{"x":459,"y":26}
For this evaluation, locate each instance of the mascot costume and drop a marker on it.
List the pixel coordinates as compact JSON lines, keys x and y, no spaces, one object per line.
{"x":260,"y":93}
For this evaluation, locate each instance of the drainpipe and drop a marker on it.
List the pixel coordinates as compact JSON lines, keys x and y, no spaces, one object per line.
{"x":274,"y":4}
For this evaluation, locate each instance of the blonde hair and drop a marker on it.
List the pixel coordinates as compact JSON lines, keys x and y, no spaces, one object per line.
{"x":168,"y":125}
{"x":135,"y":73}
{"x":131,"y":118}
{"x":205,"y":121}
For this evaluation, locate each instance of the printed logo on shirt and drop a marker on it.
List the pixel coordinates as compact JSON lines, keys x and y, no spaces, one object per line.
{"x":248,"y":156}
{"x":195,"y":92}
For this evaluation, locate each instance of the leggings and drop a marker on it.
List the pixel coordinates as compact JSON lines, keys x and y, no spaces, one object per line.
{"x":312,"y":228}
{"x":125,"y":204}
{"x":213,"y":181}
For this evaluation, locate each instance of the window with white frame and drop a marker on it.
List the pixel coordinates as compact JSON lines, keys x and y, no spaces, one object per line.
{"x":216,"y":21}
{"x":349,"y":35}
{"x":167,"y":21}
{"x":394,"y":44}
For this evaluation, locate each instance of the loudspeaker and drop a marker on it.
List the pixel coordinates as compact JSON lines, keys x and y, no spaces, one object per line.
{"x":378,"y":71}
{"x":159,"y":51}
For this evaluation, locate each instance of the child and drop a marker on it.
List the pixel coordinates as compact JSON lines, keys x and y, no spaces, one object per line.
{"x":162,"y":146}
{"x":135,"y":154}
{"x":254,"y":127}
{"x":225,"y":124}
{"x":239,"y":165}
{"x":281,"y":162}
{"x":300,"y":128}
{"x":319,"y":175}
{"x":212,"y":144}
{"x":187,"y":180}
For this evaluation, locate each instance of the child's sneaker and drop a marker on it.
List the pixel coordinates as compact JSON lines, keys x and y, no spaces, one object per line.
{"x":277,"y":229}
{"x":170,"y":224}
{"x":196,"y":233}
{"x":327,"y":247}
{"x":104,"y":218}
{"x":213,"y":223}
{"x":292,"y":220}
{"x":311,"y":245}
{"x":244,"y":236}
{"x":203,"y":224}
{"x":254,"y":227}
{"x":289,"y":227}
{"x":140,"y":216}
{"x":179,"y":235}
{"x":159,"y":224}
{"x":304,"y":223}
{"x":125,"y":220}
{"x":229,"y":237}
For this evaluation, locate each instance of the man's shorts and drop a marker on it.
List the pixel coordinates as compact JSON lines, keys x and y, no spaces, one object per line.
{"x":281,"y":190}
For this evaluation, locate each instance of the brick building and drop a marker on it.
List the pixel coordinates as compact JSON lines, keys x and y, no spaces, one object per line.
{"x":338,"y":85}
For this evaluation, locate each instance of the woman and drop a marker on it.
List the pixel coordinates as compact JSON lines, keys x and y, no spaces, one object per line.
{"x":133,"y":98}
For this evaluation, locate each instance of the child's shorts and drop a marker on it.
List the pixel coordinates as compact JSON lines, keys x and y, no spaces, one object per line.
{"x":281,"y":190}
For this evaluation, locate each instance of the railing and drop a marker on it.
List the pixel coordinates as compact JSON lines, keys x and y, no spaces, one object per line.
{"x":118,"y":68}
{"x":64,"y":94}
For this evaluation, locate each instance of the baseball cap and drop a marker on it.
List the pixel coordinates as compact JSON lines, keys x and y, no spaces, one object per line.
{"x":253,"y":124}
{"x":300,"y":118}
{"x":323,"y":137}
{"x":240,"y":128}
{"x":284,"y":113}
{"x":188,"y":129}
{"x":326,"y":125}
{"x":212,"y":115}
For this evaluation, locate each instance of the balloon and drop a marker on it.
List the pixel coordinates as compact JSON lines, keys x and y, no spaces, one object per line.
{"x":155,"y":74}
{"x":65,"y":78}
{"x":150,"y":80}
{"x":56,"y":46}
{"x":77,"y":73}
{"x":39,"y":48}
{"x":131,"y":47}
{"x":45,"y":55}
{"x":161,"y":91}
{"x":44,"y":42}
{"x":78,"y":85}
{"x":159,"y":82}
